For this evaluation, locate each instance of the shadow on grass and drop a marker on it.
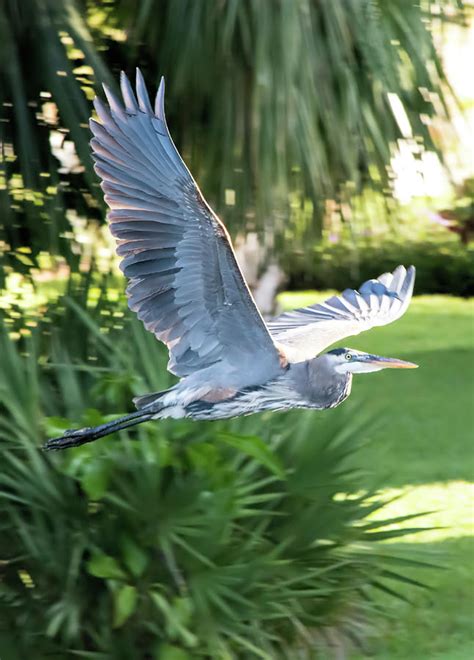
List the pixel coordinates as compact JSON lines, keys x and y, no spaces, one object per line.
{"x":438,"y":622}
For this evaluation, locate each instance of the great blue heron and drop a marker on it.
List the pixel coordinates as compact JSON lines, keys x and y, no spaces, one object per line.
{"x":187,"y":288}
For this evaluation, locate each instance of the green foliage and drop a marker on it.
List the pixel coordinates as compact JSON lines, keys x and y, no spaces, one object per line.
{"x":265,"y":98}
{"x":290,"y":91}
{"x":49,"y":62}
{"x":178,"y":539}
{"x":443,"y":266}
{"x":227,"y":558}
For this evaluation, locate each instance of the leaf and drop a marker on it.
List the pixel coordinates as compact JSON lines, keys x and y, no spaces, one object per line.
{"x":105,"y":566}
{"x":96,"y":479}
{"x":376,"y":524}
{"x":125,"y":603}
{"x":176,"y":615}
{"x":170,"y":652}
{"x":395,"y":533}
{"x":182,"y":609}
{"x":257,"y":449}
{"x":135,"y":559}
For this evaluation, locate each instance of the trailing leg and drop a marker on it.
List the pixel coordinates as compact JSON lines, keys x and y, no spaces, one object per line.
{"x":74,"y":438}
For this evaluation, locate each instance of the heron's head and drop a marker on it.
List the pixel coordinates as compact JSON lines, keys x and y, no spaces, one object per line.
{"x":347,"y":360}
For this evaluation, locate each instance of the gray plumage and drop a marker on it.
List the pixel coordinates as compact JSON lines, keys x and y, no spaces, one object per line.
{"x":378,"y":302}
{"x":184,"y":281}
{"x":187,"y":288}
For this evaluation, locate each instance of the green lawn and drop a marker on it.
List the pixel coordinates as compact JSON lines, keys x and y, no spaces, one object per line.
{"x":422,"y":451}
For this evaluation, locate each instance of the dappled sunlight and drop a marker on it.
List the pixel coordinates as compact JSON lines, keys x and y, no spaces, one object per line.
{"x":451,"y":504}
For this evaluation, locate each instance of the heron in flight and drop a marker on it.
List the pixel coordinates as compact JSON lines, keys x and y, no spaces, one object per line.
{"x":186,"y":286}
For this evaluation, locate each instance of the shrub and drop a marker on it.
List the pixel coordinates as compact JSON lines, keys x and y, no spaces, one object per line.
{"x":179,"y":540}
{"x":442,"y":266}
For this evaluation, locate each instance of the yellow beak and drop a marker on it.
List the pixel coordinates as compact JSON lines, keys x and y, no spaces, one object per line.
{"x":390,"y":363}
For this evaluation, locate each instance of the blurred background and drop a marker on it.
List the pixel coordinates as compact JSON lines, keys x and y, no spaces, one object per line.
{"x":335,"y":140}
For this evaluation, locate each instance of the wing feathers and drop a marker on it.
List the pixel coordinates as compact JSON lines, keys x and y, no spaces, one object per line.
{"x":184,"y":281}
{"x":142,"y":94}
{"x":307,"y":331}
{"x":128,"y":95}
{"x":114,"y":104}
{"x":160,"y":105}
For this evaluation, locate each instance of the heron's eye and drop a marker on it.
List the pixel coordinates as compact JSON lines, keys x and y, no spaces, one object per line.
{"x":348,"y":356}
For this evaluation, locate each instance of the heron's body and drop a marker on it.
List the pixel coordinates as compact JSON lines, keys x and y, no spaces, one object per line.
{"x":187,"y":288}
{"x":302,"y":385}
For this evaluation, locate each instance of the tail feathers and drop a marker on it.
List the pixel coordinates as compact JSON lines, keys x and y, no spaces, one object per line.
{"x":74,"y":438}
{"x":147,"y":399}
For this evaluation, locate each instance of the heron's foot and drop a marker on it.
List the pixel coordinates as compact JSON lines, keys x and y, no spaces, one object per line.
{"x":71,"y":438}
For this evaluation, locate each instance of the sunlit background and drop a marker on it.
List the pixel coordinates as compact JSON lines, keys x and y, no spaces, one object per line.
{"x":336,"y":141}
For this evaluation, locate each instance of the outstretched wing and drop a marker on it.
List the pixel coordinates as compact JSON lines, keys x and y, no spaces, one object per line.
{"x":303,"y":333}
{"x":184,"y":280}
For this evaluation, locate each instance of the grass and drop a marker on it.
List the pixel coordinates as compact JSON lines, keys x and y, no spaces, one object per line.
{"x":422,"y":454}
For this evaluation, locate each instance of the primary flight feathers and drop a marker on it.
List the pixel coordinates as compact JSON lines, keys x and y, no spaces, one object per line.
{"x":184,"y":280}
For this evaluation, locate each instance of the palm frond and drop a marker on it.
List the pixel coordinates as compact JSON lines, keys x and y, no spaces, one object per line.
{"x":270,"y":100}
